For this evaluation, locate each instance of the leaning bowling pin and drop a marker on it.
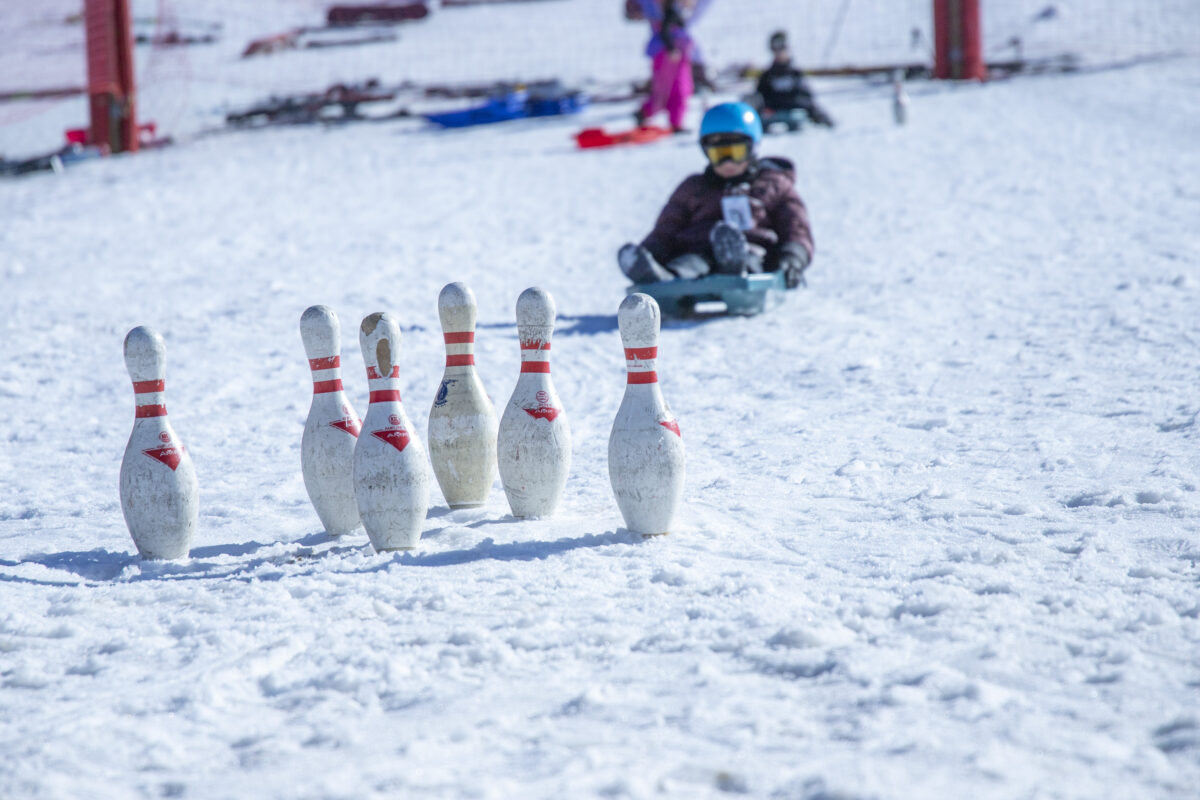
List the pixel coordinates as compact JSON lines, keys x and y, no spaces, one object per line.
{"x":535,"y":440}
{"x":331,"y":431}
{"x":462,"y":422}
{"x":158,"y":481}
{"x":645,"y":448}
{"x":391,"y":482}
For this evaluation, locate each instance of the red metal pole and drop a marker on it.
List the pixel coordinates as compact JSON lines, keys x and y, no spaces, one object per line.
{"x":124,"y":35}
{"x":957,"y":37}
{"x":973,"y":66}
{"x":111,"y":91}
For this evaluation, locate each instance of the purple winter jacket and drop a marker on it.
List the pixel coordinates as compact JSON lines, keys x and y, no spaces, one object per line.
{"x":780,"y":218}
{"x":682,"y":37}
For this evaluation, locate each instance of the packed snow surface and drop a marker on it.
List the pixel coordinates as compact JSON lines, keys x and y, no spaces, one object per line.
{"x":941,"y":528}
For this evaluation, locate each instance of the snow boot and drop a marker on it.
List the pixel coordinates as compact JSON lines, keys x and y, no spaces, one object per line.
{"x":730,"y":249}
{"x":689,"y":266}
{"x":639,"y":266}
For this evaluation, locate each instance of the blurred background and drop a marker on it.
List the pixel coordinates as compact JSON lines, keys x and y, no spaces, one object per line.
{"x":196,"y":60}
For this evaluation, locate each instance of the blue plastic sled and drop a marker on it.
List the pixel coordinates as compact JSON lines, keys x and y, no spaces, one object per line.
{"x":739,"y":295}
{"x":793,"y":120}
{"x":510,"y":106}
{"x":554,"y":106}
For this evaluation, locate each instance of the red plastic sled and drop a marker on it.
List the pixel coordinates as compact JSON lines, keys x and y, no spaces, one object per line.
{"x":598,"y":137}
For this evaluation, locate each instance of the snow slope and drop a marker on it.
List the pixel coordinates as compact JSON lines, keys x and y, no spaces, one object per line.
{"x":942,"y":522}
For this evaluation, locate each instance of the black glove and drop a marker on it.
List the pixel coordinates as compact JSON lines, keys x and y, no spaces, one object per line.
{"x":793,"y":260}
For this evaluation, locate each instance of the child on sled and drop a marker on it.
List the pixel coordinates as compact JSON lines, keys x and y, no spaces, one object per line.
{"x":741,"y":215}
{"x":783,"y":95}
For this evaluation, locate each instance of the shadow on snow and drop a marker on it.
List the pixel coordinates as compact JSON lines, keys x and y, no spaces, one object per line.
{"x":100,"y":565}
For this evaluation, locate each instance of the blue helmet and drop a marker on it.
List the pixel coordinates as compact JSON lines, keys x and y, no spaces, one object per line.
{"x":732,"y":118}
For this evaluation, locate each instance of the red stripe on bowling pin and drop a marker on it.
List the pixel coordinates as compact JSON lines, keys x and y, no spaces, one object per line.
{"x":325,"y":387}
{"x":640,"y":363}
{"x":330,"y":380}
{"x":373,"y":373}
{"x":535,"y":356}
{"x":332,"y":362}
{"x":147,"y":410}
{"x":462,"y":356}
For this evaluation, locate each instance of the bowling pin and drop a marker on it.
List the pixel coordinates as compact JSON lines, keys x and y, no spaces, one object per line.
{"x":645,"y":448}
{"x":331,"y":431}
{"x":535,"y":441}
{"x":158,"y":481}
{"x":391,"y":481}
{"x":462,"y":422}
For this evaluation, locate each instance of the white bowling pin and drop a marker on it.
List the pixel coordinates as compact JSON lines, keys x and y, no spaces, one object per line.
{"x":535,"y":439}
{"x":331,"y":431}
{"x":159,"y":494}
{"x":462,"y":422}
{"x":391,"y":481}
{"x":645,"y":448}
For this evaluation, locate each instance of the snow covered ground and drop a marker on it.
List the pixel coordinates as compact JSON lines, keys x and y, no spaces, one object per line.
{"x":942,"y":523}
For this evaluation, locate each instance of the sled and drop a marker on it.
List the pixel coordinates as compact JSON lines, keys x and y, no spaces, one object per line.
{"x":792,"y":120}
{"x":453,"y":3}
{"x":72,"y":153}
{"x":376,"y":13}
{"x":520,"y":104}
{"x":315,"y":107}
{"x":498,"y":109}
{"x":598,"y":137}
{"x":315,"y":38}
{"x":712,"y":295}
{"x":555,"y":105}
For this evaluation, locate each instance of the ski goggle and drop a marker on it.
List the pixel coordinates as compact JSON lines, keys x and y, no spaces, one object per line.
{"x":727,"y":150}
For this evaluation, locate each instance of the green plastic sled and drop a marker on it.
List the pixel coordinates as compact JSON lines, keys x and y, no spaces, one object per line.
{"x":741,"y":295}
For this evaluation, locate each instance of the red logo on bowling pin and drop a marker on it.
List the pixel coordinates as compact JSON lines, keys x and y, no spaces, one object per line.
{"x":544,"y":410}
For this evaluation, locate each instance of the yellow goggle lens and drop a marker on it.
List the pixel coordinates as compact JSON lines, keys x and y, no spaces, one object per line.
{"x":717,"y":153}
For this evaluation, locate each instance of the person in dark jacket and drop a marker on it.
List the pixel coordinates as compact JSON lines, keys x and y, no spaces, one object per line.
{"x":741,"y":215}
{"x":782,"y":94}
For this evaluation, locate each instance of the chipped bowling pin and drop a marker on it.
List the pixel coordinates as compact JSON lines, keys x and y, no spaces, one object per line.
{"x":391,"y":483}
{"x":158,"y":481}
{"x":535,"y":440}
{"x":462,"y":422}
{"x":331,"y":430}
{"x":645,"y":448}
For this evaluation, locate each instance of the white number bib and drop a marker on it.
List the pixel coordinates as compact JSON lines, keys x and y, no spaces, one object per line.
{"x":736,"y":210}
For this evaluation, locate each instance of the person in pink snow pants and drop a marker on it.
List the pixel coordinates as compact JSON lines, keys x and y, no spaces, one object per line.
{"x":672,"y":50}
